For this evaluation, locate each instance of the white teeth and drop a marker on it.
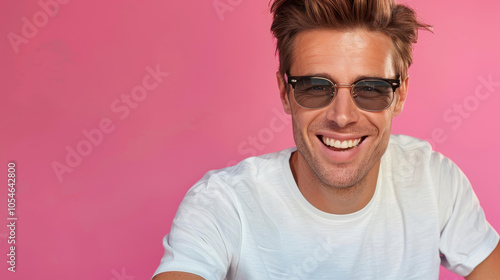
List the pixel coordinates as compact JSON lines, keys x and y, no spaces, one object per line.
{"x":344,"y":145}
{"x":341,"y":145}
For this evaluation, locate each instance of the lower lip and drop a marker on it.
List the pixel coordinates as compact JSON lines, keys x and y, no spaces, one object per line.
{"x":341,"y":156}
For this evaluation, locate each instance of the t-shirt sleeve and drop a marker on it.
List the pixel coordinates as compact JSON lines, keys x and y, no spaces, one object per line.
{"x":205,"y":233}
{"x":466,"y":236}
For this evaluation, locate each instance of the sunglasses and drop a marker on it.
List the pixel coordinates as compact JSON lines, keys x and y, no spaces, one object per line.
{"x":369,"y":94}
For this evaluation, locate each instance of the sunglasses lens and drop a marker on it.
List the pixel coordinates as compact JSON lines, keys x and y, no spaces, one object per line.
{"x":370,"y":95}
{"x":313,"y":93}
{"x":373,"y":95}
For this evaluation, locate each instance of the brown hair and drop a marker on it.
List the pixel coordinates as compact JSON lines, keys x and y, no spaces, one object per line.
{"x":397,"y":21}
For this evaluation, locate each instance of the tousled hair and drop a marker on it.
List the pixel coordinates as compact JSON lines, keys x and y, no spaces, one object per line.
{"x":397,"y":21}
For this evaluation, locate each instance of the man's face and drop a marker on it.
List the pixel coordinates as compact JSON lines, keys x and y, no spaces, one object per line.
{"x":342,"y":57}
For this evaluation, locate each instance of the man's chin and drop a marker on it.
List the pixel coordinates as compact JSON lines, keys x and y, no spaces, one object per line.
{"x":343,"y":175}
{"x":341,"y":184}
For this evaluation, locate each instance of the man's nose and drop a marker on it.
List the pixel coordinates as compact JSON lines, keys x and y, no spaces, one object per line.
{"x":343,"y":110}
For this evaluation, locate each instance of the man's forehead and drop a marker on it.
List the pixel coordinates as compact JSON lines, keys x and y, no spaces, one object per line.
{"x":324,"y":50}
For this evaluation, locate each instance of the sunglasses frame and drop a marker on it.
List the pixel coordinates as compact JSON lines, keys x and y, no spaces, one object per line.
{"x":394,"y":83}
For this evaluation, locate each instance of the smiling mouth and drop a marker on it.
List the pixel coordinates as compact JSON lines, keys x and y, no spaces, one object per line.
{"x":338,"y":145}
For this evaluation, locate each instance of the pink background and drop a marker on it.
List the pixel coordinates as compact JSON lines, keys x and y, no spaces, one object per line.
{"x":105,"y":219}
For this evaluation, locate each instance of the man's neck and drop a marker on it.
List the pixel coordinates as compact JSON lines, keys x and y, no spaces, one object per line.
{"x":330,"y":199}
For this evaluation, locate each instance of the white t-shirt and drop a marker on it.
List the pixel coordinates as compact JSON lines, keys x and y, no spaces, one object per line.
{"x":250,"y":221}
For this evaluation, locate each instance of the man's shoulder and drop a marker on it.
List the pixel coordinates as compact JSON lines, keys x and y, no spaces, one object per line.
{"x":250,"y":170}
{"x":405,"y":142}
{"x":404,"y":146}
{"x":414,"y":157}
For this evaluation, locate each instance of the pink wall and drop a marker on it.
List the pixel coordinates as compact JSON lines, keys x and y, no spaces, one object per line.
{"x":104,"y":215}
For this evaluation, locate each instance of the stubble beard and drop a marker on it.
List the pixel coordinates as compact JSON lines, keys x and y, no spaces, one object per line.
{"x":341,"y":177}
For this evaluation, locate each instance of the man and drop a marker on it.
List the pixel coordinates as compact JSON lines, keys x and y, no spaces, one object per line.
{"x":351,"y":201}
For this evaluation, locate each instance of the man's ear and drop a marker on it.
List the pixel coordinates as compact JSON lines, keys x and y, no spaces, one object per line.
{"x":401,"y":96}
{"x":283,"y":92}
